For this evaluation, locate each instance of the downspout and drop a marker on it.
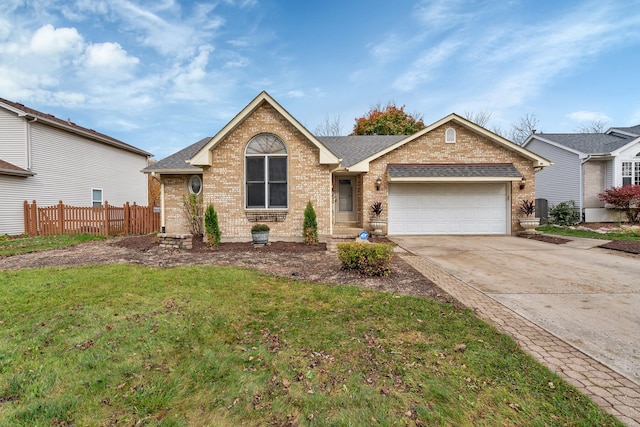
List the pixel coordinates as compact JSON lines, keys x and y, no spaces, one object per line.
{"x":162,"y":220}
{"x":581,"y":201}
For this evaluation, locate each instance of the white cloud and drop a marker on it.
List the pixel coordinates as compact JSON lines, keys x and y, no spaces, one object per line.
{"x":426,"y":66}
{"x":109,"y":55}
{"x":49,"y":41}
{"x":589,"y":116}
{"x":295,"y":94}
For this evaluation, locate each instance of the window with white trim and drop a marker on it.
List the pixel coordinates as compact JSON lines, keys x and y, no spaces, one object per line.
{"x":631,"y":173}
{"x":195,"y":185}
{"x":266,"y":173}
{"x":450,"y":136}
{"x":96,"y":197}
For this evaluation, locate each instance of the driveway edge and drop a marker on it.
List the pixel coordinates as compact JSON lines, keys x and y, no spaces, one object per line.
{"x":607,"y":388}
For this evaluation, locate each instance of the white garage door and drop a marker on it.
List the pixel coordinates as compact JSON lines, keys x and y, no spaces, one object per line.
{"x":448,"y":208}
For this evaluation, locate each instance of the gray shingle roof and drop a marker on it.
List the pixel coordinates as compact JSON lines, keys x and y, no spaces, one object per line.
{"x":355,"y":148}
{"x":588,"y":143}
{"x":178,"y":161}
{"x":449,"y":170}
{"x":633,"y":129}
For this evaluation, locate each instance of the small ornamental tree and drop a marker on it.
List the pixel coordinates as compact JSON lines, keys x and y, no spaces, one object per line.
{"x":388,"y":120}
{"x":211,"y":226}
{"x":310,"y":225}
{"x":192,"y":212}
{"x":625,"y":198}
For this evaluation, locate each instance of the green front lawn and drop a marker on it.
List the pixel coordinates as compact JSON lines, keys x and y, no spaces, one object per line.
{"x":131,"y":345}
{"x":22,"y":244}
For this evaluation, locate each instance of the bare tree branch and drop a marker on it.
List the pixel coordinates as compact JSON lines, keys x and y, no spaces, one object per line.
{"x":481,"y":118}
{"x":526,"y":126}
{"x":330,"y":127}
{"x":596,"y":126}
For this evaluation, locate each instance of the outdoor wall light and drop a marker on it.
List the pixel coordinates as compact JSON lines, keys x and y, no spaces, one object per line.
{"x":378,"y":182}
{"x":523,"y":182}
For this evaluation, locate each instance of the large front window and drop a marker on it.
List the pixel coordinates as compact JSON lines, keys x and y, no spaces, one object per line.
{"x":630,"y":173}
{"x":266,"y":172}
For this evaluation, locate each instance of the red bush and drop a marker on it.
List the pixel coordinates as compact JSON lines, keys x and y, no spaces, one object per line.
{"x":626,"y":198}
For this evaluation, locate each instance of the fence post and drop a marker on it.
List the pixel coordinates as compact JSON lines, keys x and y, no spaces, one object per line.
{"x":127,"y":219}
{"x":107,"y":219}
{"x":60,"y":217}
{"x":34,"y":218}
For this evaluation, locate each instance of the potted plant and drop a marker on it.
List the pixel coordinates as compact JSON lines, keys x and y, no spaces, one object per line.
{"x":377,"y":223}
{"x":260,"y":234}
{"x":529,"y":222}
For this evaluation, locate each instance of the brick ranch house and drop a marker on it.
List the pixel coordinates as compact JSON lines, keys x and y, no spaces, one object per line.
{"x":453,"y":177}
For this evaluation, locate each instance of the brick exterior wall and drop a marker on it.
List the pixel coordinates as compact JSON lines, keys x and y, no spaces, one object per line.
{"x":431,"y":148}
{"x":224,"y":186}
{"x":594,"y":174}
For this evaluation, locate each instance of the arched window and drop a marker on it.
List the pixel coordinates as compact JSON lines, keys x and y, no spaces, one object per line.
{"x":266,"y":172}
{"x":450,"y":136}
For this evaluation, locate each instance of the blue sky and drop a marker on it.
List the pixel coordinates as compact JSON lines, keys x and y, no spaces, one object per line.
{"x":162,"y":74}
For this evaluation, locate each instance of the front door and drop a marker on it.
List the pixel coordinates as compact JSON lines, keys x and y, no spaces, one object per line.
{"x":346,"y":203}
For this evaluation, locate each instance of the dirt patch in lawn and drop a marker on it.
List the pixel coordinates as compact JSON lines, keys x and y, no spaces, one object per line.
{"x":285,"y":259}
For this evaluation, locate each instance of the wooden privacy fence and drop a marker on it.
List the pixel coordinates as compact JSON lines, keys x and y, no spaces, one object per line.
{"x":104,"y":220}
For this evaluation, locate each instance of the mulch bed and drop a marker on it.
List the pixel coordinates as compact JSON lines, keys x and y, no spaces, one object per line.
{"x":629,"y":246}
{"x":547,"y":239}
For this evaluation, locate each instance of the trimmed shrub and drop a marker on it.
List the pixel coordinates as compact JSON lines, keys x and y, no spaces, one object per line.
{"x":211,"y":226}
{"x":260,"y":228}
{"x":564,"y":214}
{"x":310,"y":225}
{"x":370,"y":259}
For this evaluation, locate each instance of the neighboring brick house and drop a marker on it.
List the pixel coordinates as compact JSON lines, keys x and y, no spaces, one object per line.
{"x":586,"y":164}
{"x":47,"y":159}
{"x":453,"y":177}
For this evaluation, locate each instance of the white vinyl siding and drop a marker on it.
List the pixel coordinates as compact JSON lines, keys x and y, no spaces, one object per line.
{"x":469,"y":208}
{"x":13,"y":147}
{"x":561,"y":181}
{"x":67,"y":168}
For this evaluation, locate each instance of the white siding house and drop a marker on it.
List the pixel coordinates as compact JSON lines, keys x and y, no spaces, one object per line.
{"x":586,"y":164}
{"x":47,"y":159}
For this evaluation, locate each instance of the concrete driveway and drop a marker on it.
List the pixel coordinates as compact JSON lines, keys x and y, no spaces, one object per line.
{"x":588,"y":297}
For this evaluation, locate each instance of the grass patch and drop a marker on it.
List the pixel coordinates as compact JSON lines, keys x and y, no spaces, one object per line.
{"x":21,"y":245}
{"x":133,"y":345}
{"x":629,"y":234}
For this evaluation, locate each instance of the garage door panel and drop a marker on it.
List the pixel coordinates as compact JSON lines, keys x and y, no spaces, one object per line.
{"x":448,"y":208}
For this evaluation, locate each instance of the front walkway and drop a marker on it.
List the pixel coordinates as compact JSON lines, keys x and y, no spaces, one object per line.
{"x":607,"y":388}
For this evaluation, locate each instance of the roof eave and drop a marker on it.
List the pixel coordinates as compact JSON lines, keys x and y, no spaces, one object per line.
{"x":13,"y":172}
{"x":421,"y":179}
{"x":174,"y":171}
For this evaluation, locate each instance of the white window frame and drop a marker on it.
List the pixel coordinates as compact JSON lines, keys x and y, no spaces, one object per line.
{"x":630,"y":169}
{"x":266,"y":181}
{"x":450,"y":136}
{"x":190,"y":185}
{"x":94,"y":200}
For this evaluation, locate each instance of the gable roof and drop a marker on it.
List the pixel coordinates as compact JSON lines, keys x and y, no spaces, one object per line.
{"x":67,"y":125}
{"x":585,"y":143}
{"x":179,"y":162}
{"x":7,"y":168}
{"x":363,"y":165}
{"x":203,"y":156}
{"x":355,"y":148}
